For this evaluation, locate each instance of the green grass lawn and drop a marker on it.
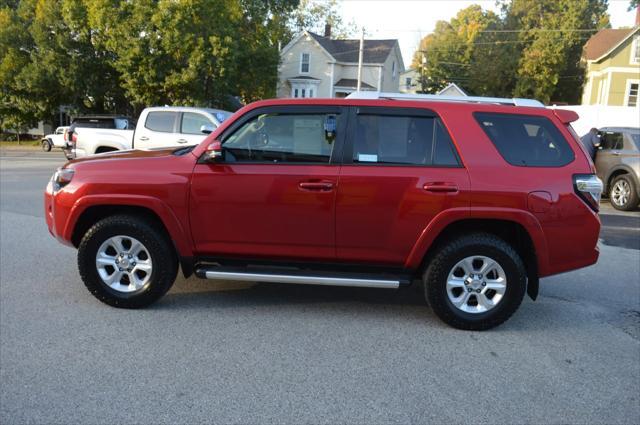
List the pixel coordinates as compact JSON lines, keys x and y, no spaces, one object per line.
{"x":7,"y":143}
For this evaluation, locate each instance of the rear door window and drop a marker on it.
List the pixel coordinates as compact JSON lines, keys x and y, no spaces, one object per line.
{"x":611,"y":140}
{"x":191,"y":123}
{"x":526,"y":140}
{"x":162,"y":121}
{"x":402,"y":140}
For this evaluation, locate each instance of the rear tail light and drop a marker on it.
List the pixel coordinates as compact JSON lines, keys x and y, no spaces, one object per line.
{"x":589,"y":188}
{"x":74,"y":138}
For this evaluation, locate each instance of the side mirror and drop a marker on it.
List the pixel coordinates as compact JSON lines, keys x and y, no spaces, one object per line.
{"x":214,"y":151}
{"x":206,"y":129}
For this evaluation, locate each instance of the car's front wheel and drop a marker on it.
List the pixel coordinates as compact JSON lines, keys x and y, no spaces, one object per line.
{"x":623,"y":193}
{"x":475,"y":282}
{"x":126,"y":262}
{"x":46,"y":145}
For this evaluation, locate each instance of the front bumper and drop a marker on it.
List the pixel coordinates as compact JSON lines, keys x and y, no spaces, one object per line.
{"x":56,"y":213}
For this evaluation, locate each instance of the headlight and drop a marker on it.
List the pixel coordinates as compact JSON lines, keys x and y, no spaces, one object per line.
{"x":62,"y":177}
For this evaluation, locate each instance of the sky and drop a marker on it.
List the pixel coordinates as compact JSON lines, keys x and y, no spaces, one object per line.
{"x":409,"y":21}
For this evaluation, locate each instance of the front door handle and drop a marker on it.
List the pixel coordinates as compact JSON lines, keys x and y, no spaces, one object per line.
{"x":440,"y":187}
{"x":144,"y":138}
{"x":317,"y":186}
{"x":182,"y":141}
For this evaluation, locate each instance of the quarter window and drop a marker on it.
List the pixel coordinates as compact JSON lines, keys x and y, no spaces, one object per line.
{"x":191,"y":123}
{"x":304,"y":63}
{"x":288,"y":138}
{"x":402,"y":140}
{"x":162,"y":121}
{"x":526,"y":141}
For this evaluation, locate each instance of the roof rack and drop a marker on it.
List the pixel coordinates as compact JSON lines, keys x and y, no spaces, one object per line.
{"x":438,"y":98}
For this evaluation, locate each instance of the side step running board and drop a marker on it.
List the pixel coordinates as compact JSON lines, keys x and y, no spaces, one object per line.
{"x":301,"y":278}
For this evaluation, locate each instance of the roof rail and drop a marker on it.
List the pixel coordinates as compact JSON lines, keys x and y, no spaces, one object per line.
{"x":438,"y":98}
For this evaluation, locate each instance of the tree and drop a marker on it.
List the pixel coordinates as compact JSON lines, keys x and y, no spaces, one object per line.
{"x":552,"y":36}
{"x":532,"y":50}
{"x":450,"y":54}
{"x":312,"y":15}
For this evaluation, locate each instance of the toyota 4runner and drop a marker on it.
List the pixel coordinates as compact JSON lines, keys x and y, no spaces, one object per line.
{"x":477,"y":199}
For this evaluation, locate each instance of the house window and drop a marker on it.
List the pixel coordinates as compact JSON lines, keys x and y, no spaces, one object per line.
{"x":310,"y":92}
{"x":393,"y":70}
{"x":407,"y":82}
{"x":295,"y":92}
{"x":304,"y":63}
{"x":635,"y":50}
{"x":632,"y":94}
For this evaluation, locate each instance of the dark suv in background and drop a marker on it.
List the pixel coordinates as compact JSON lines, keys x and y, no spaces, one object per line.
{"x":618,"y":165}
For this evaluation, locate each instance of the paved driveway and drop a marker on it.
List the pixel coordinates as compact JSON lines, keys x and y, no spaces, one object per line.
{"x":268,"y":353}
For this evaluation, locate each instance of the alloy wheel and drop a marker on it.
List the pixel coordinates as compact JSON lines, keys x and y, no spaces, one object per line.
{"x":476,"y":284}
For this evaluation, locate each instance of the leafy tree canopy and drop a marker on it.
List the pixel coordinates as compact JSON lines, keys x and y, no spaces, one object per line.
{"x":532,"y":49}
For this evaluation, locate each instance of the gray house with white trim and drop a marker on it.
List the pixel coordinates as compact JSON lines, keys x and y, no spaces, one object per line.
{"x":319,"y":66}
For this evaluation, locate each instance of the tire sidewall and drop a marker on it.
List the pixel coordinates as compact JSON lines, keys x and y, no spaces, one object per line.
{"x":46,"y":145}
{"x":153,"y":290}
{"x":436,"y":290}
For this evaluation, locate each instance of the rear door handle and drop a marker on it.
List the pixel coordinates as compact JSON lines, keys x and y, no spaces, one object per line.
{"x":320,"y":186}
{"x":440,"y":187}
{"x":144,"y":138}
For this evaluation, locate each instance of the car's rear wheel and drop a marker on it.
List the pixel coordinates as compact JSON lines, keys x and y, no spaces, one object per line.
{"x":623,"y":194}
{"x":475,"y":282}
{"x":46,"y":145}
{"x":125,"y":262}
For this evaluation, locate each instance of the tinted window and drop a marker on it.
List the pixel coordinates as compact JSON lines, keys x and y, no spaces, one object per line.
{"x":386,"y":139}
{"x":527,"y":141}
{"x":191,"y":123}
{"x":611,"y":140}
{"x":94,"y":123}
{"x":161,"y":121}
{"x":283,"y":138}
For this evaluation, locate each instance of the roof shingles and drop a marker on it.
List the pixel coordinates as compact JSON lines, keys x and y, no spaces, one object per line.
{"x":374,"y":51}
{"x":603,"y":41}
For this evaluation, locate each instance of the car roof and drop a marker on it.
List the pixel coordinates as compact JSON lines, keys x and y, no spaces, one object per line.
{"x":187,"y":109}
{"x":621,"y":129}
{"x":433,"y":105}
{"x":100,"y":117}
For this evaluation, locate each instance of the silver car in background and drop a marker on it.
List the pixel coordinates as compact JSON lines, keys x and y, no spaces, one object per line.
{"x":618,"y":165}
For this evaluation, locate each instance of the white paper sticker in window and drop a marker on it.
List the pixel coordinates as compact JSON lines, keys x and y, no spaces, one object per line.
{"x":367,"y":158}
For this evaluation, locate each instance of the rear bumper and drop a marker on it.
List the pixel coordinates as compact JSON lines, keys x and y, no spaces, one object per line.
{"x":572,"y":241}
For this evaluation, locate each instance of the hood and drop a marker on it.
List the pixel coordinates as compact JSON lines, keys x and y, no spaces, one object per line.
{"x":123,"y":155}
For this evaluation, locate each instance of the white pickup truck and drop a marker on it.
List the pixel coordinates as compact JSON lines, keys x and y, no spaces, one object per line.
{"x":157,"y":127}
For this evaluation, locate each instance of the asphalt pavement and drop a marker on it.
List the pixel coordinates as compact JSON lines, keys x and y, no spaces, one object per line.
{"x":269,"y":353}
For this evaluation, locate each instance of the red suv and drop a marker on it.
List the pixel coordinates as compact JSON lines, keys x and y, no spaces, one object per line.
{"x":478,"y":199}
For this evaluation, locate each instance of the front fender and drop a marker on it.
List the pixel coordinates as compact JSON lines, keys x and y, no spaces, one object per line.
{"x":180,"y":237}
{"x":448,"y":217}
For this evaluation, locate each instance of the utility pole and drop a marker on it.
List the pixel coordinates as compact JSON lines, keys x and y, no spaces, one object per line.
{"x":360,"y":60}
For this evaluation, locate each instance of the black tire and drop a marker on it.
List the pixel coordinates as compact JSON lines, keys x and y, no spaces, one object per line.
{"x":632,"y":199}
{"x":163,"y":257}
{"x":481,"y":244}
{"x":46,"y":145}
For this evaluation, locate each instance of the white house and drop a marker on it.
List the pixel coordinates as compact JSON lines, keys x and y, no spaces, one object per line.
{"x":319,"y":66}
{"x":452,"y":90}
{"x":410,"y":81}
